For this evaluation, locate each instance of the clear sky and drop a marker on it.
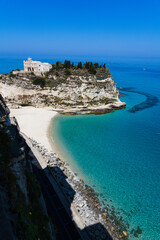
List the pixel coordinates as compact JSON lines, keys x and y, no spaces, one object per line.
{"x":106,"y":28}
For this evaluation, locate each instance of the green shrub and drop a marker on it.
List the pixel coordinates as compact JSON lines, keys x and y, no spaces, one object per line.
{"x":39,"y":81}
{"x":12,"y":75}
{"x":57,"y":74}
{"x":67,"y":72}
{"x":92,"y":69}
{"x":67,"y":64}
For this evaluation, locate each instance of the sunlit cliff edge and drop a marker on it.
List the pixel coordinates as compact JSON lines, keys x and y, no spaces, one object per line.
{"x":67,"y":88}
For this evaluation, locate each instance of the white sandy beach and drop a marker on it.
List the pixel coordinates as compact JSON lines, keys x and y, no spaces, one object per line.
{"x":35,"y":122}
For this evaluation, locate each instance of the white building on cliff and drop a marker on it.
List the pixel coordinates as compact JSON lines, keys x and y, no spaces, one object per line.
{"x":36,"y":67}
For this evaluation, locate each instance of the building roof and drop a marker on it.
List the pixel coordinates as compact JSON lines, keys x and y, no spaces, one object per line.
{"x":30,"y":60}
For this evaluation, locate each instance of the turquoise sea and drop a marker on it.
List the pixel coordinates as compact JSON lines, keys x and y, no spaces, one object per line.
{"x":119,"y":153}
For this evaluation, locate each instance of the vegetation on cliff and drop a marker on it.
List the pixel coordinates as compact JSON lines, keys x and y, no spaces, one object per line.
{"x":67,"y":87}
{"x":29,"y":221}
{"x":63,"y":70}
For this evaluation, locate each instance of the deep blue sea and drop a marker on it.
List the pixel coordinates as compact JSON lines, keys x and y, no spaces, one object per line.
{"x":119,"y":153}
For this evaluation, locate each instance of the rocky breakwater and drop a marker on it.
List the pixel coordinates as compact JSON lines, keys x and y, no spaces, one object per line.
{"x":95,"y":218}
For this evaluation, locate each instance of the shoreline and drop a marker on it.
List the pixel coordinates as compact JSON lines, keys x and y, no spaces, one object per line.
{"x":49,"y":135}
{"x":84,"y":205}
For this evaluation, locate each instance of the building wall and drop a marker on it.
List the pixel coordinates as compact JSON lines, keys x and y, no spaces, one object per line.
{"x":36,"y":66}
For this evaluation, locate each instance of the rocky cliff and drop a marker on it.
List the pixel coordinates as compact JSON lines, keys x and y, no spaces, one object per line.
{"x":23,"y":213}
{"x":66,"y":90}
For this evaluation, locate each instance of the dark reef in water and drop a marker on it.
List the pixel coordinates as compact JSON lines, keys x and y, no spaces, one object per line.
{"x":148,"y":103}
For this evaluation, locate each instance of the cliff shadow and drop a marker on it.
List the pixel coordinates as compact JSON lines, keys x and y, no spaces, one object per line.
{"x":52,"y":180}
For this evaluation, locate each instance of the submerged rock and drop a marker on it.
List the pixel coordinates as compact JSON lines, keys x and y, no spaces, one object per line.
{"x":125,"y":233}
{"x":139,"y":231}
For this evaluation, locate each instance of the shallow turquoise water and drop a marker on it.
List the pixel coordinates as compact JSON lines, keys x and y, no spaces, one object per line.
{"x":119,"y":152}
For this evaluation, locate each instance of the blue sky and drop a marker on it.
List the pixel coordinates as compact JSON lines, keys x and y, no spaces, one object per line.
{"x":99,"y":28}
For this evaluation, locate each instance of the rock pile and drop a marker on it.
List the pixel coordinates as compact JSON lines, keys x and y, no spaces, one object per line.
{"x":83,"y":197}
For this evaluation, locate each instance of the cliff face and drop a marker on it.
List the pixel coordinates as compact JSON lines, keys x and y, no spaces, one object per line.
{"x":64,"y":91}
{"x":4,"y":110}
{"x":23,"y":213}
{"x":78,"y":90}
